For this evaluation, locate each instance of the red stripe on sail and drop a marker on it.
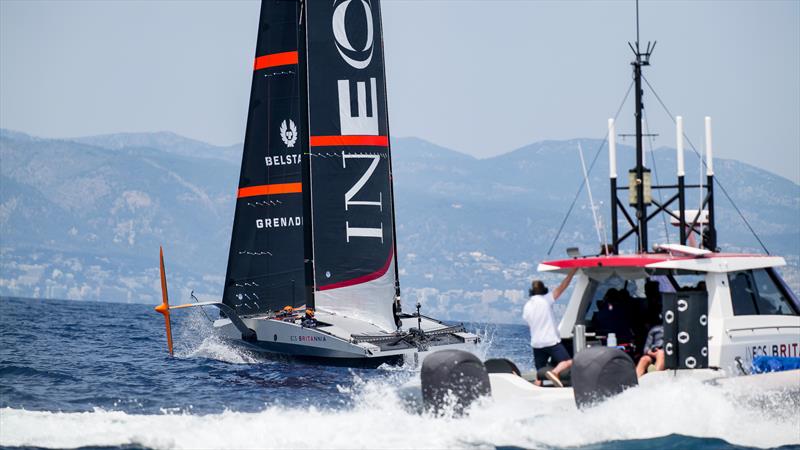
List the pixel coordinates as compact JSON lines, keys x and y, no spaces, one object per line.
{"x":275,"y":60}
{"x":362,"y":279}
{"x":270,"y":189}
{"x":343,"y":141}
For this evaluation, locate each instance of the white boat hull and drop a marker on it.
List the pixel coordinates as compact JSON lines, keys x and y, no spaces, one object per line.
{"x":518,"y":394}
{"x":344,"y":340}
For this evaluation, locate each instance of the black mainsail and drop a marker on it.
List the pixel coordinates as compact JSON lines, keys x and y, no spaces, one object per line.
{"x":352,"y":209}
{"x":314,"y":221}
{"x":266,"y":269}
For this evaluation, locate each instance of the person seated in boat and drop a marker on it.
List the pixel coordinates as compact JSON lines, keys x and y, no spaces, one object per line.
{"x":309,"y":321}
{"x":651,"y":313}
{"x":545,"y":340}
{"x":612,"y":316}
{"x":286,"y":314}
{"x":653,"y":351}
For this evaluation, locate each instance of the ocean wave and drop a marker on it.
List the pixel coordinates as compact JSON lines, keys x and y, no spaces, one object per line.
{"x":29,"y":373}
{"x":377,"y":418}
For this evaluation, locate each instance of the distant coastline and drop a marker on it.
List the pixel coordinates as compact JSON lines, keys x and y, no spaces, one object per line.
{"x":83,"y":218}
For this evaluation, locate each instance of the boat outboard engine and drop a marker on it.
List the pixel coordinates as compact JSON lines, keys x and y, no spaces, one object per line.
{"x":501,"y":365}
{"x":601,"y":372}
{"x":452,"y":379}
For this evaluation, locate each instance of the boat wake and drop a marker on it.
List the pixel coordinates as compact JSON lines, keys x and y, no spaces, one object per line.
{"x":486,"y":333}
{"x":215,"y":348}
{"x":197,"y":340}
{"x":377,"y":418}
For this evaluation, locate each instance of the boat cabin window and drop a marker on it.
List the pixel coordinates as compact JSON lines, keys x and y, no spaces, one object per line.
{"x":630,"y":308}
{"x":757,"y":292}
{"x":644,"y":291}
{"x":687,"y":282}
{"x":609,"y":286}
{"x":627,"y":308}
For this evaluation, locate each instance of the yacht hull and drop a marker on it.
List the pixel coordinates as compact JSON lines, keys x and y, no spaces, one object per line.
{"x":345,"y":341}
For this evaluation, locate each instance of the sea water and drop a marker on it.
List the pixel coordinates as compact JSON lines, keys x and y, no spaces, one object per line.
{"x":97,"y":375}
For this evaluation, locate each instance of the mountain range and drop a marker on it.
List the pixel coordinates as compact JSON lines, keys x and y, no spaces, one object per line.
{"x":83,"y":218}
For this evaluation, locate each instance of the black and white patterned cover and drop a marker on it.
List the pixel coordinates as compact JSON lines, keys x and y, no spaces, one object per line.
{"x":685,"y":316}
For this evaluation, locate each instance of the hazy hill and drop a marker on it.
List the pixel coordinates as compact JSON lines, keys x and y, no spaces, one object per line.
{"x":165,"y":141}
{"x":83,"y":218}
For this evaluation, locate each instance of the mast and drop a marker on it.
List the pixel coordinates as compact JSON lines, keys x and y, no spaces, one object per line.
{"x":391,"y":186}
{"x":640,"y":185}
{"x":308,"y":231}
{"x":638,"y":177}
{"x":642,"y":59}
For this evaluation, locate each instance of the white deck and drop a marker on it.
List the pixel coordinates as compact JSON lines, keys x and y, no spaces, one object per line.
{"x":345,"y":327}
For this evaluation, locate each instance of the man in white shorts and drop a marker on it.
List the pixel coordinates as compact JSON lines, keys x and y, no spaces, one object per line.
{"x":546,"y":342}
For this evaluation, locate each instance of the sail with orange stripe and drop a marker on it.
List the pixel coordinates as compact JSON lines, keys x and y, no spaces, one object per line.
{"x":352,"y":199}
{"x":267,"y":257}
{"x":314,"y":221}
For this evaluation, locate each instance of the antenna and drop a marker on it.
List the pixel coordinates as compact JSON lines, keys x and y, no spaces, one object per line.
{"x":637,"y":26}
{"x":640,"y":185}
{"x":642,"y":59}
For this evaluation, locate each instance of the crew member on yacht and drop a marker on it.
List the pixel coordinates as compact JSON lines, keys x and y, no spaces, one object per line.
{"x":653,"y":351}
{"x":286,"y":314}
{"x":546,"y":342}
{"x":309,"y":321}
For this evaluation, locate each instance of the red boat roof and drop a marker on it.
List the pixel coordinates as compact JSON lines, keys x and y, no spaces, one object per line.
{"x":637,"y":260}
{"x":641,"y":260}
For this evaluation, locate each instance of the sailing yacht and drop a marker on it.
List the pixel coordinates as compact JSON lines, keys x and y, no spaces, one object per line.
{"x":314,"y":225}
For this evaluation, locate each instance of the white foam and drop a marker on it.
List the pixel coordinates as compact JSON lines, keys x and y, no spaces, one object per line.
{"x":378,"y":419}
{"x":486,"y":334}
{"x":195,"y":339}
{"x":214,"y":348}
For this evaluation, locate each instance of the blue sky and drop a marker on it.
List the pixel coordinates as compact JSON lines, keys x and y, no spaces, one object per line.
{"x":481,"y":77}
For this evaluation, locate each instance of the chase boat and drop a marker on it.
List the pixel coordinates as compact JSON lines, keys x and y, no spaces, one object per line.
{"x":722,"y":313}
{"x":314,"y":224}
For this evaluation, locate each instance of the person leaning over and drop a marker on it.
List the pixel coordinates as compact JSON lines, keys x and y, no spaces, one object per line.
{"x":546,"y":342}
